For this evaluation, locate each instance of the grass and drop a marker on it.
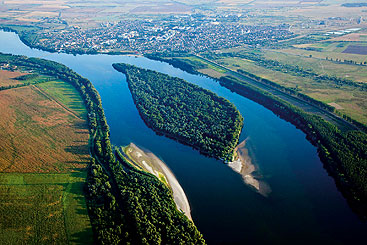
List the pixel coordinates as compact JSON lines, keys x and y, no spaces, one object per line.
{"x":276,"y":76}
{"x":353,"y":101}
{"x":206,"y":64}
{"x":39,"y":135}
{"x":318,"y":63}
{"x":43,"y":209}
{"x":7,"y":78}
{"x":66,"y":94}
{"x":43,"y":156}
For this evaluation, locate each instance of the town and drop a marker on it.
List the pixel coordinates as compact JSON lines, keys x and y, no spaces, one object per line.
{"x":182,"y":33}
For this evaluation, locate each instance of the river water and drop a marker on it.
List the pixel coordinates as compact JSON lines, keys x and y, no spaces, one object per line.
{"x":304,"y":205}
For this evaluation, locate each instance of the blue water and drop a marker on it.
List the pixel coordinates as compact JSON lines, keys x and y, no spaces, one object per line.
{"x":304,"y":205}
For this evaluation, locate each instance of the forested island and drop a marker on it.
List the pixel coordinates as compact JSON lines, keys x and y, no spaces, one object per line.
{"x":344,"y":153}
{"x":125,"y":206}
{"x":184,"y":111}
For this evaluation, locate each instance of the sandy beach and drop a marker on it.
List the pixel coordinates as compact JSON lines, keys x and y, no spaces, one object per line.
{"x":245,"y":167}
{"x":152,"y":164}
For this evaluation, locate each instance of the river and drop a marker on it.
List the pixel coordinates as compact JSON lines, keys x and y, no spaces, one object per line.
{"x":304,"y":205}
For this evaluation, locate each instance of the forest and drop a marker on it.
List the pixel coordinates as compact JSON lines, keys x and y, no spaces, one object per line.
{"x":184,"y":111}
{"x":125,"y":207}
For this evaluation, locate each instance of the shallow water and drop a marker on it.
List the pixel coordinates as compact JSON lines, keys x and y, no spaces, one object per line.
{"x":304,"y":205}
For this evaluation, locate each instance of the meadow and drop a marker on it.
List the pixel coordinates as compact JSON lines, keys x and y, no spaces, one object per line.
{"x":317,"y":62}
{"x":7,"y":78}
{"x":43,"y":209}
{"x":66,"y":94}
{"x":43,"y":159}
{"x":346,"y":99}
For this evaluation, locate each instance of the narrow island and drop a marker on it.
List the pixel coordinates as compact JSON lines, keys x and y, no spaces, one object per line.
{"x":185,"y":112}
{"x":124,"y":206}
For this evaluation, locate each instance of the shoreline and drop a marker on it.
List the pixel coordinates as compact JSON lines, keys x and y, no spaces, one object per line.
{"x":149,"y":162}
{"x":244,"y":166}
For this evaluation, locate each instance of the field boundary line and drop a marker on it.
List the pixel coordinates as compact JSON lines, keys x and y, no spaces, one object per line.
{"x":48,"y":96}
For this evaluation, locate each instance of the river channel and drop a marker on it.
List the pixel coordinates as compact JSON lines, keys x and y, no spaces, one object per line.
{"x":304,"y":204}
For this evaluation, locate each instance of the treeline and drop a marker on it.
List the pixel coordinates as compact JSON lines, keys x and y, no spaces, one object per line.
{"x":184,"y":111}
{"x":21,"y":85}
{"x":296,"y":92}
{"x":344,"y":61}
{"x":26,"y":77}
{"x":27,"y":34}
{"x":291,"y":91}
{"x":150,"y":223}
{"x":292,"y":69}
{"x":187,"y":65}
{"x":124,"y":207}
{"x":344,"y":154}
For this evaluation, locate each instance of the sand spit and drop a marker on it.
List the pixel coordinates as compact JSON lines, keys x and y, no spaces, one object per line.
{"x":244,"y":166}
{"x":152,"y":164}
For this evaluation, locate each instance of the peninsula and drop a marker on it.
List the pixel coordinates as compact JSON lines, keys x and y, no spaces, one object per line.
{"x":146,"y":161}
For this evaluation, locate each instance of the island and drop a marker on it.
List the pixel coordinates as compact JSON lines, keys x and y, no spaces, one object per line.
{"x":185,"y":112}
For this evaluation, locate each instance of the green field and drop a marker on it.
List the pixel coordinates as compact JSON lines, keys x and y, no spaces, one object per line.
{"x":41,"y":189}
{"x":319,"y":64}
{"x":204,"y":63}
{"x":276,"y":76}
{"x":59,"y":214}
{"x":66,"y":94}
{"x":350,"y":100}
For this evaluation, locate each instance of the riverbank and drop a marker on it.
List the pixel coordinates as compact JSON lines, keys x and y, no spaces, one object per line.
{"x":289,"y":163}
{"x":149,"y":162}
{"x":243,"y":165}
{"x":340,"y":144}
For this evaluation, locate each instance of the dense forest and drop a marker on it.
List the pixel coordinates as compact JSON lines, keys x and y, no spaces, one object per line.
{"x":184,"y":111}
{"x":125,"y":206}
{"x":187,"y":65}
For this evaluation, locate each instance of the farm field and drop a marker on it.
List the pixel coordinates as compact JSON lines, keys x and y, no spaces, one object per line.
{"x":351,"y":37}
{"x":334,"y":57}
{"x":66,"y":94}
{"x":356,"y":49}
{"x":318,"y":63}
{"x":39,"y":135}
{"x":7,"y":78}
{"x":43,"y":156}
{"x":43,"y":209}
{"x":346,"y":99}
{"x":85,"y":14}
{"x":325,"y":50}
{"x":205,"y":64}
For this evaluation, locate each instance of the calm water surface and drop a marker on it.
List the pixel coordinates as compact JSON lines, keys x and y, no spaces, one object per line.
{"x":304,"y":205}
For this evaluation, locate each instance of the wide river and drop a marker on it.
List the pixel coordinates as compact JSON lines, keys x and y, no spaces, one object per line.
{"x":304,"y":205}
